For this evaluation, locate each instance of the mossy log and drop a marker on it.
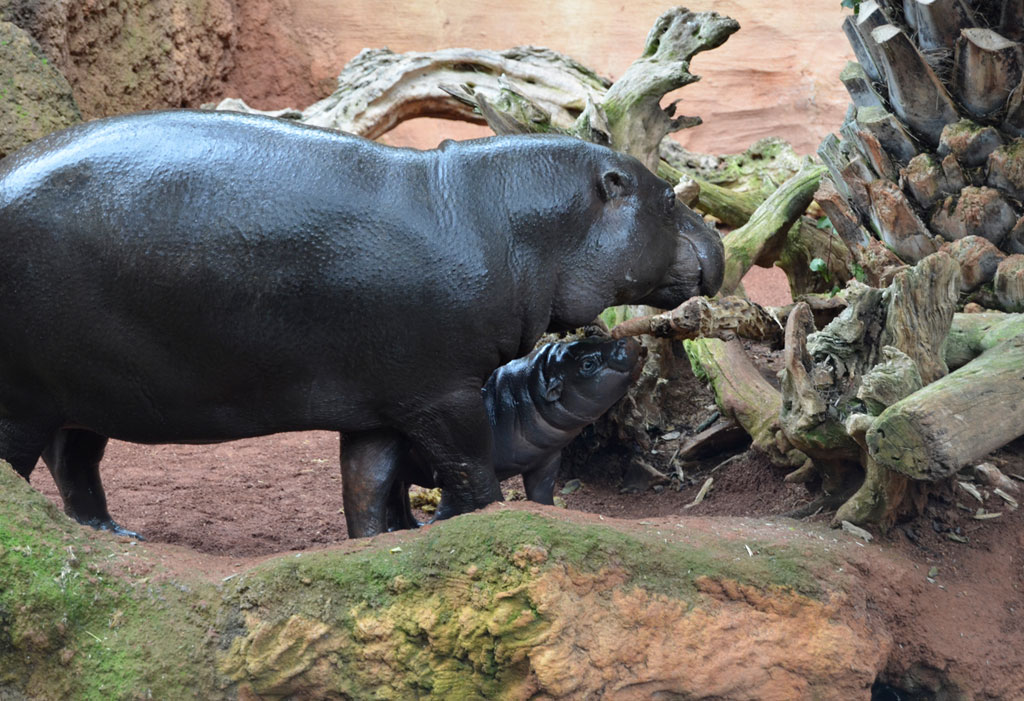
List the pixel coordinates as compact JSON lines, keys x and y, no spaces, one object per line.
{"x":956,"y":420}
{"x":496,"y":605}
{"x":806,"y":243}
{"x":761,"y":239}
{"x":972,"y":334}
{"x":744,"y":395}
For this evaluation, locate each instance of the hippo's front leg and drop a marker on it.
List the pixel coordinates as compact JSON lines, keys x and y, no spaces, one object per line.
{"x":453,"y":437}
{"x":540,"y":482}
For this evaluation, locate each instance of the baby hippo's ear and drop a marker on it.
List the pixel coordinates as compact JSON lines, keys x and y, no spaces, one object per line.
{"x":550,"y":387}
{"x":615,"y":184}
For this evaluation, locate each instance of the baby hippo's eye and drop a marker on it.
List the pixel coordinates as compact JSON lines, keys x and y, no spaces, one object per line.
{"x":589,"y":365}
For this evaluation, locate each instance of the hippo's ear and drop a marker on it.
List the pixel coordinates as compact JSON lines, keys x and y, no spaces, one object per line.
{"x":550,"y":386}
{"x":615,"y":184}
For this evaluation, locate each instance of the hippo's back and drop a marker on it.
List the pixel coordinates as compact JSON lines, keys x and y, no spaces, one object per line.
{"x":189,"y":275}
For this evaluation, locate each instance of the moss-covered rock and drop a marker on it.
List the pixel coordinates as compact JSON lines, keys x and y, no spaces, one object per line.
{"x":35,"y":99}
{"x":503,"y":604}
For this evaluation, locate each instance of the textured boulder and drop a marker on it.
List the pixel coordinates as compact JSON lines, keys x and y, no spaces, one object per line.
{"x":35,"y":99}
{"x":127,"y":55}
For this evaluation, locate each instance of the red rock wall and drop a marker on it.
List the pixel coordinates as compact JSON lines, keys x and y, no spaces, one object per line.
{"x":778,"y":76}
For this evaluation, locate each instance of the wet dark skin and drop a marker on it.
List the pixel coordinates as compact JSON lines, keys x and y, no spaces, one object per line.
{"x":535,"y":405}
{"x":189,"y":277}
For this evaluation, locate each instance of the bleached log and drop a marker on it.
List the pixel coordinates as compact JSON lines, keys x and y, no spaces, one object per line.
{"x":938,"y":22}
{"x":884,"y":345}
{"x":897,"y":223}
{"x":806,"y":418}
{"x":919,"y":312}
{"x":987,"y":66}
{"x":970,"y":335}
{"x":956,"y":420}
{"x":743,"y":394}
{"x":877,"y":500}
{"x":636,"y":121}
{"x":379,"y":89}
{"x":916,"y":94}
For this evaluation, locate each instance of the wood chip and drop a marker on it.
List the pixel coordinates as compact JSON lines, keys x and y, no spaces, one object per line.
{"x":1006,"y":497}
{"x":702,"y":493}
{"x":972,"y":490}
{"x":983,"y":515}
{"x":857,"y":531}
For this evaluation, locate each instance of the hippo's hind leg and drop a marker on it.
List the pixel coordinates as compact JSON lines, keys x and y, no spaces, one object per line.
{"x":370,"y":463}
{"x":453,"y":438}
{"x":21,"y":444}
{"x":399,"y":509}
{"x":73,"y":457}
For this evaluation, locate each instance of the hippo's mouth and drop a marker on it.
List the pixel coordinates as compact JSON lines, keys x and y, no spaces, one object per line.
{"x":709,"y":273}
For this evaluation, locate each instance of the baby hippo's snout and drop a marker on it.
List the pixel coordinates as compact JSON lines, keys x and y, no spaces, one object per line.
{"x":627,"y":355}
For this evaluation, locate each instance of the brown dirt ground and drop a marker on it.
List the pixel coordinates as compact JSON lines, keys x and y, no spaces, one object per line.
{"x":251,"y":498}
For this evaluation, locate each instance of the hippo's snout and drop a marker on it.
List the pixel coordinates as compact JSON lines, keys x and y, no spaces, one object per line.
{"x":698,"y":267}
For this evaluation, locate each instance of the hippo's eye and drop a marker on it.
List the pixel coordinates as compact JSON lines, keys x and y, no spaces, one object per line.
{"x":589,"y":365}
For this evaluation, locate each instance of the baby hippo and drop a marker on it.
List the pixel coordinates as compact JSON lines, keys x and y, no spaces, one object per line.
{"x":536,"y":405}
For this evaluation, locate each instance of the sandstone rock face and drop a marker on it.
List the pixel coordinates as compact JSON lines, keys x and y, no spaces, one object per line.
{"x":127,"y":55}
{"x":35,"y":99}
{"x":777,"y":76}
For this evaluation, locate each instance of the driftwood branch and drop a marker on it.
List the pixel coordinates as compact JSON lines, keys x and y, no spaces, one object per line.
{"x":699,"y":317}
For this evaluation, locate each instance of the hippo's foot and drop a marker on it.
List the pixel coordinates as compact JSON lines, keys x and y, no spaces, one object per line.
{"x":111,"y":526}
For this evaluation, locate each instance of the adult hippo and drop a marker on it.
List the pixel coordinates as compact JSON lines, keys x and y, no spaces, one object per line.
{"x":189,"y":276}
{"x":535,"y":406}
